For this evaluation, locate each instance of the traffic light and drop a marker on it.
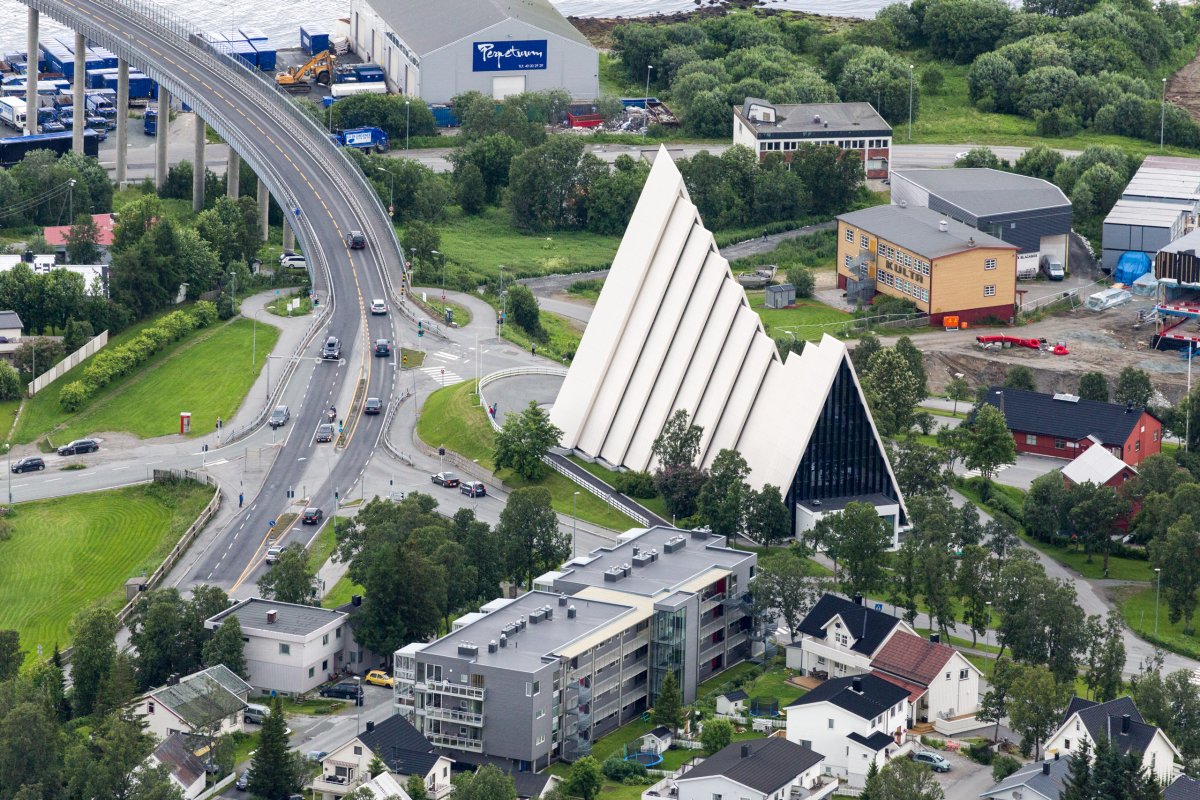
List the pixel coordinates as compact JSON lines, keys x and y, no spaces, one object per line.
{"x":420,"y":329}
{"x":404,"y":361}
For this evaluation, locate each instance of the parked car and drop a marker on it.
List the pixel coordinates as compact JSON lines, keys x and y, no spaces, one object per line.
{"x":79,"y":447}
{"x":273,"y":554}
{"x":373,"y":405}
{"x":243,"y":781}
{"x":355,"y":240}
{"x":255,"y":713}
{"x":279,"y":416}
{"x":311,"y":516}
{"x":28,"y":464}
{"x":315,"y":755}
{"x":447,"y":479}
{"x":473,"y":488}
{"x":935,"y":762}
{"x":332,"y":349}
{"x":378,"y":677}
{"x":292,"y":260}
{"x":325,"y":432}
{"x":378,"y":307}
{"x":383,"y":348}
{"x":342,"y":691}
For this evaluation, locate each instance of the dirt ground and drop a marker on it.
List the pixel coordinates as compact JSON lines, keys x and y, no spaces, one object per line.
{"x":1183,"y":88}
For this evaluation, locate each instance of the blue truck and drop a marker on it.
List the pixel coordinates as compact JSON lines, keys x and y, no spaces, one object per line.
{"x":362,"y":138}
{"x":150,"y":122}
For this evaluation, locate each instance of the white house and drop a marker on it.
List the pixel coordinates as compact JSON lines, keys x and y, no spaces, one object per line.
{"x":398,"y":745}
{"x":187,"y":770}
{"x":95,"y":276}
{"x":757,"y":769}
{"x":657,"y":740}
{"x":290,"y":648}
{"x":853,"y":722}
{"x":839,"y":637}
{"x":1120,"y":721}
{"x":732,"y":704}
{"x":209,"y":702}
{"x":943,"y":686}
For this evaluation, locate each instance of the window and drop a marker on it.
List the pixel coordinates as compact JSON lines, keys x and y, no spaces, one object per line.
{"x":357,"y":750}
{"x":150,"y":707}
{"x":541,"y":712}
{"x":962,"y":674}
{"x":311,"y":671}
{"x":716,"y":796}
{"x":325,"y":639}
{"x":325,"y":665}
{"x":338,"y":633}
{"x":1059,"y":444}
{"x":1156,"y":436}
{"x":1137,"y":446}
{"x":285,"y":649}
{"x":989,"y":290}
{"x":830,"y":724}
{"x":533,"y":689}
{"x":947,"y":676}
{"x":989,"y":263}
{"x":820,"y":659}
{"x":541,"y":739}
{"x":849,"y":238}
{"x":864,"y":241}
{"x":1031,"y":438}
{"x":1066,"y":744}
{"x":847,"y":260}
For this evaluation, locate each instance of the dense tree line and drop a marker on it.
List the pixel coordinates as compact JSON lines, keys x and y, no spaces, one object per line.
{"x":33,"y":192}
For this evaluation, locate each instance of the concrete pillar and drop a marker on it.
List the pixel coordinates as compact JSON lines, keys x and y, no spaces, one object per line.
{"x":78,"y":84}
{"x":264,"y":210}
{"x":289,"y":237}
{"x":233,"y":173}
{"x":31,"y":97}
{"x":161,"y":136}
{"x":122,"y":120}
{"x":198,"y":167}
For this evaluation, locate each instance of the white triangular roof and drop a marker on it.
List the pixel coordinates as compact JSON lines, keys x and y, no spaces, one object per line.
{"x":672,"y":329}
{"x":1095,"y":464}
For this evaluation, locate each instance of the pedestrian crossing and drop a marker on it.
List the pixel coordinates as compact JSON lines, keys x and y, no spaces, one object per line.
{"x":441,"y":375}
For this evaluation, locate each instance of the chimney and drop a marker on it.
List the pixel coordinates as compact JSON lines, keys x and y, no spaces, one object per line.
{"x":816,"y":118}
{"x":936,"y":638}
{"x":745,"y":751}
{"x":356,"y":599}
{"x":1124,"y":724}
{"x":943,"y":226}
{"x":1045,"y":767}
{"x":272,"y":616}
{"x":503,"y":640}
{"x":492,"y":646}
{"x":562,"y":599}
{"x":857,"y":599}
{"x":970,"y":241}
{"x":370,"y":726}
{"x":570,"y":612}
{"x":28,"y":257}
{"x":856,"y":684}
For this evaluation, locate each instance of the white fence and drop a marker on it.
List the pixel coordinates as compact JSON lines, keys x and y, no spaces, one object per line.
{"x":61,"y":368}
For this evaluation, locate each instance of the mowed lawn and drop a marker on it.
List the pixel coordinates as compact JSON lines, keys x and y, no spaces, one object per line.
{"x":807,"y":319}
{"x":69,"y":552}
{"x":207,"y":374}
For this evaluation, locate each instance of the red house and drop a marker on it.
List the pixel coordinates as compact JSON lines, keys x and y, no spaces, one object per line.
{"x":1099,"y":466}
{"x":1063,"y":425}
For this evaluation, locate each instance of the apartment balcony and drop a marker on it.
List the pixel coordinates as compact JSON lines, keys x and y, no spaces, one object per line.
{"x":608,"y":662}
{"x":635,"y":666}
{"x":456,"y":742}
{"x":712,"y":626}
{"x":736,"y":638}
{"x":405,"y":675}
{"x":711,"y":647}
{"x":711,"y":601}
{"x":455,"y":689}
{"x":608,"y":683}
{"x":331,"y":784}
{"x":454,"y":715}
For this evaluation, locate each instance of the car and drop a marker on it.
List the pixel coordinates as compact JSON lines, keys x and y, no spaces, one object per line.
{"x":378,"y":677}
{"x":378,"y":306}
{"x":243,"y":781}
{"x":273,"y":554}
{"x":447,"y":479}
{"x":332,"y":349}
{"x":934,"y":761}
{"x":373,"y":405}
{"x":279,"y":416}
{"x":284,"y":258}
{"x":325,"y":432}
{"x":356,"y":240}
{"x":473,"y":488}
{"x":383,"y":348}
{"x":79,"y":447}
{"x":311,"y":516}
{"x":315,"y":755}
{"x":28,"y":464}
{"x":342,"y":691}
{"x":256,"y":714}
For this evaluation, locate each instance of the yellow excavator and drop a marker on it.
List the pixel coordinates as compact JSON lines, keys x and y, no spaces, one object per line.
{"x":319,"y":68}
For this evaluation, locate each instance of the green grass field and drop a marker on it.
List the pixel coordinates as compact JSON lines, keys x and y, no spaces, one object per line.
{"x":280,"y":307}
{"x":808,"y":319}
{"x":563,"y":333}
{"x":208,"y":373}
{"x":1137,"y":606}
{"x":69,"y":552}
{"x":1121,"y":569}
{"x":340,"y":593}
{"x":453,"y":417}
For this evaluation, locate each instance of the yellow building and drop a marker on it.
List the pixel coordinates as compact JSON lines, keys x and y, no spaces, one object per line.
{"x":942,"y":266}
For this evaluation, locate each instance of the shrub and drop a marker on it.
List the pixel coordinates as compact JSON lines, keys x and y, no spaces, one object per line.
{"x":981,"y":753}
{"x":635,"y":484}
{"x":73,"y":396}
{"x":618,"y":769}
{"x":802,"y":280}
{"x":933,"y":742}
{"x":1003,"y":766}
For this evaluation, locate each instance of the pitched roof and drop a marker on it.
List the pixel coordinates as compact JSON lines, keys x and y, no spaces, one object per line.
{"x":1032,"y":778}
{"x":1105,"y":720}
{"x":9,"y":320}
{"x":1182,"y":788}
{"x":56,"y":235}
{"x":227,"y":678}
{"x":174,"y":752}
{"x":429,"y":25}
{"x":200,"y":699}
{"x":918,"y":229}
{"x":1067,"y":417}
{"x":876,"y":696}
{"x":915,"y":690}
{"x":401,"y":746}
{"x":764,"y":765}
{"x":986,"y":192}
{"x":867,"y":626}
{"x":912,"y":658}
{"x":735,"y":695}
{"x":384,"y":786}
{"x":1095,"y":464}
{"x":876,"y":741}
{"x":529,"y":784}
{"x":661,"y":732}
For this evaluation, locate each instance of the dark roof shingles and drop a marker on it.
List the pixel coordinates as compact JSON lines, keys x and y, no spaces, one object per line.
{"x":876,"y":697}
{"x":1037,"y":412}
{"x":401,"y":746}
{"x":771,"y":763}
{"x":866,"y":625}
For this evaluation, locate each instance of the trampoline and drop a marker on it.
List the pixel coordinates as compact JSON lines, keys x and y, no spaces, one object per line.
{"x":646,"y":759}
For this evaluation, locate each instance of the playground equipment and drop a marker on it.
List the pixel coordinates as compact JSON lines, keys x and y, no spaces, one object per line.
{"x":646,"y":759}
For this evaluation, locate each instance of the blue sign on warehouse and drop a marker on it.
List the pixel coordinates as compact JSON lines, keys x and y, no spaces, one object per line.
{"x":504,"y":56}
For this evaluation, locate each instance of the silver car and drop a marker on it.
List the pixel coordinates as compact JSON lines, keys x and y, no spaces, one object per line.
{"x":279,"y":416}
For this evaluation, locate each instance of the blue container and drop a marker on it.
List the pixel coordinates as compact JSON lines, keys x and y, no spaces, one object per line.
{"x":96,"y":78}
{"x":444,"y":116}
{"x":370,"y":73}
{"x":266,"y":56}
{"x":105,"y":58}
{"x":313,"y":42}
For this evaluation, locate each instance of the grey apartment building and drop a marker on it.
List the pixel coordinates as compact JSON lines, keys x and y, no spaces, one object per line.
{"x":539,"y":678}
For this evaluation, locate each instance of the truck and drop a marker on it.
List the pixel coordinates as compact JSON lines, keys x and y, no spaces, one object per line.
{"x":362,"y":138}
{"x":1052,"y":268}
{"x":150,"y":122}
{"x":13,"y":149}
{"x":12,"y":112}
{"x":347,"y":89}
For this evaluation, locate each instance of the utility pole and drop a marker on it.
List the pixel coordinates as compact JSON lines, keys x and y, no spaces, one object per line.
{"x":910,"y":100}
{"x":646,"y":126}
{"x":1162,"y":117}
{"x":406,"y":118}
{"x":1157,"y":589}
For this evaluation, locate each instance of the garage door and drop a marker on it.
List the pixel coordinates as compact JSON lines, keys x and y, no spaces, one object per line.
{"x":509,"y":84}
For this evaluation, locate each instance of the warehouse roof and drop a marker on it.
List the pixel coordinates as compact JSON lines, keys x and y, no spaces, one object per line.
{"x":290,"y":618}
{"x":430,"y":25}
{"x":1064,"y":415}
{"x":987,"y":192}
{"x":825,"y":118}
{"x":919,"y":230}
{"x":1145,"y":213}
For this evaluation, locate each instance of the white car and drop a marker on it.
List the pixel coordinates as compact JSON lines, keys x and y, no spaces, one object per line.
{"x":378,"y":307}
{"x":292,"y":260}
{"x":273,"y":554}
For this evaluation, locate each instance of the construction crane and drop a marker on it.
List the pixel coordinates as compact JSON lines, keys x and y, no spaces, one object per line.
{"x":319,"y":68}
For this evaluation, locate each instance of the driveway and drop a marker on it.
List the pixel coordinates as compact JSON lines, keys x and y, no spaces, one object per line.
{"x":966,"y":780}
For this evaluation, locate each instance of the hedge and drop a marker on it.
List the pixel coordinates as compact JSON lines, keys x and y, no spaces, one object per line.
{"x":114,"y":362}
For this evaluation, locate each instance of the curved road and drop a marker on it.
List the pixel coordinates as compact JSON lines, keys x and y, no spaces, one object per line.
{"x":328,"y":198}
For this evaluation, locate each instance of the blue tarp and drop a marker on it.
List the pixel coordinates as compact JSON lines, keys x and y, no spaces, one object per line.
{"x":1131,"y":266}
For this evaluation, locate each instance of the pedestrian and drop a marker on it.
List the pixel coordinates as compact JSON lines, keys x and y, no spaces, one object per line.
{"x":532,"y":349}
{"x":764,"y":236}
{"x":241,"y":499}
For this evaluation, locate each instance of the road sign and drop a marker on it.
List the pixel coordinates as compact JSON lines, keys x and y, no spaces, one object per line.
{"x":391,"y":211}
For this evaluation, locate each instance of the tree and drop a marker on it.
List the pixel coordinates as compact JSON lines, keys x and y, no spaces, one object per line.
{"x":679,"y":441}
{"x":1078,"y":783}
{"x":30,"y":746}
{"x":1097,"y":190}
{"x":290,"y":580}
{"x":489,"y":783}
{"x":1019,"y":377}
{"x":94,"y":651}
{"x":1039,"y":161}
{"x":831,"y":176}
{"x":1095,"y":511}
{"x":523,"y":308}
{"x":668,"y":706}
{"x":584,"y":779}
{"x":958,"y":390}
{"x":226,"y":647}
{"x":469,"y":189}
{"x":918,"y":467}
{"x":974,"y":584}
{"x":117,"y":687}
{"x":524,"y":440}
{"x":109,"y":763}
{"x":81,"y":241}
{"x":1180,"y":545}
{"x":1133,"y":388}
{"x":856,"y":540}
{"x":421,"y":240}
{"x":767,"y":518}
{"x":904,"y":779}
{"x":1046,"y":508}
{"x":11,"y":654}
{"x":414,"y":786}
{"x":1035,"y":705}
{"x":716,"y":734}
{"x":1093,"y":386}
{"x":893,"y":391}
{"x":802,"y":280}
{"x":530,"y":534}
{"x":788,"y":583}
{"x":492,"y":156}
{"x":1105,"y":656}
{"x":989,"y":444}
{"x":980,"y":158}
{"x":722,"y":501}
{"x":276,"y":771}
{"x":868,"y":345}
{"x":548,"y":184}
{"x":916,"y":362}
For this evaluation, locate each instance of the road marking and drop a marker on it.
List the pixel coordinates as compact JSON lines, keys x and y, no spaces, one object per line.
{"x":443,"y":377}
{"x":445,"y":356}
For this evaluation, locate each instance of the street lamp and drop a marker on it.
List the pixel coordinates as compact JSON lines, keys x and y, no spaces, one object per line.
{"x":391,"y":192}
{"x":910,"y":99}
{"x":406,"y":118}
{"x":233,"y":279}
{"x":1162,"y":117}
{"x":646,"y":99}
{"x":1157,"y":590}
{"x":574,"y":502}
{"x":987,"y":632}
{"x":71,"y":192}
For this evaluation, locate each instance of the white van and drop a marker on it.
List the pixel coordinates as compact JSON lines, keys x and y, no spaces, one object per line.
{"x":256,"y":714}
{"x":1109,"y":298}
{"x":1053,"y":268}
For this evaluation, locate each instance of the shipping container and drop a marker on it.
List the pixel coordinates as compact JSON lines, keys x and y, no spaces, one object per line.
{"x":12,"y":150}
{"x":266,"y":55}
{"x":313,"y":41}
{"x":444,"y":116}
{"x":347,"y":89}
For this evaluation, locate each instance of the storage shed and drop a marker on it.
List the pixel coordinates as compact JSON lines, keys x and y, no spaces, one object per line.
{"x":780,"y":296}
{"x":1140,"y":226}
